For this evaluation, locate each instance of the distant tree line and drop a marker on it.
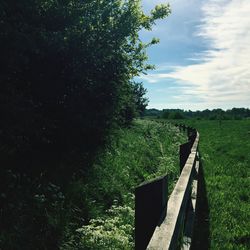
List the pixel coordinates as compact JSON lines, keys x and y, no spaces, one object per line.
{"x":215,"y":114}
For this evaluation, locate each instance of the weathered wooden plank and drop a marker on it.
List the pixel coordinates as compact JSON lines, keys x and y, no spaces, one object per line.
{"x":188,"y":231}
{"x":196,"y":142}
{"x":166,"y":235}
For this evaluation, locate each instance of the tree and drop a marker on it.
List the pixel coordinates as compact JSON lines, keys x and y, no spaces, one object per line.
{"x":165,"y":114}
{"x":66,"y":71}
{"x":133,"y":103}
{"x":66,"y":74}
{"x":176,"y":115}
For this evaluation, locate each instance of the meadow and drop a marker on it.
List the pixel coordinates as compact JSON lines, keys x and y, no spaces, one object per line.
{"x":225,"y":153}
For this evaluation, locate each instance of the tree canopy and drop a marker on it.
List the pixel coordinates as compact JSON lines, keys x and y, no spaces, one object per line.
{"x":67,"y":69}
{"x":66,"y":74}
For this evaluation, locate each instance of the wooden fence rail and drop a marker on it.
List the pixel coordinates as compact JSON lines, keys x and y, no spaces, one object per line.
{"x":168,"y":224}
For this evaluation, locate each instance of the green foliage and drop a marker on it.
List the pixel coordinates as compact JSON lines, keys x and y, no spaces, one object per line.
{"x":160,"y":11}
{"x":113,"y":232}
{"x":32,"y":212}
{"x":215,"y":114}
{"x":94,"y":212}
{"x":176,"y":115}
{"x":165,"y":115}
{"x":224,"y":148}
{"x":135,"y":104}
{"x":144,"y":151}
{"x":172,"y":114}
{"x":66,"y":74}
{"x":66,"y":71}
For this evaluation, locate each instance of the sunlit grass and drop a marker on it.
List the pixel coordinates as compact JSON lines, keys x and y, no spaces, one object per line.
{"x":146,"y":150}
{"x":225,"y":151}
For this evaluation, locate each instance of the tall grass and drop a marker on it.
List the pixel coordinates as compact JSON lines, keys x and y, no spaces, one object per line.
{"x":144,"y":151}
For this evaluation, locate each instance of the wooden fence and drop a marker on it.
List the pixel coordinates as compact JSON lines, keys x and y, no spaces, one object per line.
{"x":162,"y":223}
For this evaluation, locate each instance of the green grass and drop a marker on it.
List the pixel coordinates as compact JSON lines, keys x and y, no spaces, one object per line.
{"x":95,"y":210}
{"x":225,"y":152}
{"x":146,"y":150}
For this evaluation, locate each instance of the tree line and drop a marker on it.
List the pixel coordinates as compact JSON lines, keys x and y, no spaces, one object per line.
{"x":215,"y":114}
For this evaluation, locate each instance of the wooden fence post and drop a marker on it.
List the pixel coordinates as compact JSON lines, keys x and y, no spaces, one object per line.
{"x":150,"y":209}
{"x":185,"y":150}
{"x":189,"y":132}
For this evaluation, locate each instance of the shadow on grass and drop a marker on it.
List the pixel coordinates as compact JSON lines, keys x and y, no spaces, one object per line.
{"x":201,"y":237}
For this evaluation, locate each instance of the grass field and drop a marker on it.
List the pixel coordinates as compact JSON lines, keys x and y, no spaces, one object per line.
{"x":225,"y":153}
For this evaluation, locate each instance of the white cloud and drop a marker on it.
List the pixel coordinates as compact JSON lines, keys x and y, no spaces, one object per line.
{"x":222,"y":75}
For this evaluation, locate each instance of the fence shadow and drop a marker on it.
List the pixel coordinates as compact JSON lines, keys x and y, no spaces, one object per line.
{"x":201,"y":236}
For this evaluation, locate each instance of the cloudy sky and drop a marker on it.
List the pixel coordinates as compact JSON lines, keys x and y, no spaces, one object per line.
{"x":203,"y":59}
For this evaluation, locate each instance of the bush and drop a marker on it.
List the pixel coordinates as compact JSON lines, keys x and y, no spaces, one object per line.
{"x":67,"y":70}
{"x":165,"y":115}
{"x":176,"y":116}
{"x":113,"y":232}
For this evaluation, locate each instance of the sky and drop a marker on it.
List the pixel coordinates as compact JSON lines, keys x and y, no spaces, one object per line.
{"x":203,"y":58}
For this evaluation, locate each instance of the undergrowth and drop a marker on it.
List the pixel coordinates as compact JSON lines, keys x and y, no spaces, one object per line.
{"x":144,"y":151}
{"x":96,"y":209}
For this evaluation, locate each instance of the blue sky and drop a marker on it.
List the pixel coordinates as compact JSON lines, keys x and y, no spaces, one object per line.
{"x":203,"y":58}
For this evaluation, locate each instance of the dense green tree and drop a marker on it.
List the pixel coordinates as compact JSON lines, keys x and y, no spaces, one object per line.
{"x":165,"y":114}
{"x":66,"y":71}
{"x":176,"y":115}
{"x":134,"y":103}
{"x":66,"y":75}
